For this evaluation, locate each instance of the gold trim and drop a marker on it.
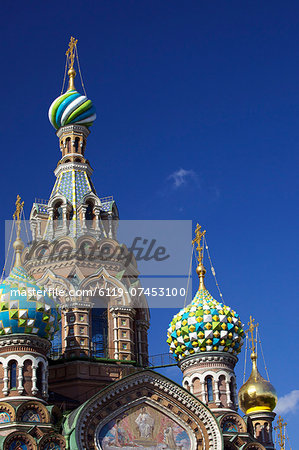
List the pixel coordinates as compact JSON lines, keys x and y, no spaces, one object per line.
{"x":70,"y":54}
{"x":200,"y":270}
{"x":258,"y":408}
{"x":18,"y":244}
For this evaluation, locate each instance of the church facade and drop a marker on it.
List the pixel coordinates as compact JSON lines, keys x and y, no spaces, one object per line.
{"x":74,"y":369}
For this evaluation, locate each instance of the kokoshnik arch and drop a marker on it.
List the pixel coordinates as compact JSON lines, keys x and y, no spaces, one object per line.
{"x":92,"y":388}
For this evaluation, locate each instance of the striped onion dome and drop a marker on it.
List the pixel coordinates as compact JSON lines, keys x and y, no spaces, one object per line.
{"x":72,"y":108}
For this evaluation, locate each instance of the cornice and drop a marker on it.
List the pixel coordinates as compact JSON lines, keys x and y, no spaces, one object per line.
{"x":69,"y":128}
{"x":73,"y":166}
{"x":208,"y":357}
{"x":25,"y":340}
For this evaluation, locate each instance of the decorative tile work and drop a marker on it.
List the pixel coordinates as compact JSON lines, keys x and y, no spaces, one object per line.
{"x":41,"y":208}
{"x":82,"y":185}
{"x":65,"y":185}
{"x":74,"y":185}
{"x":25,"y":307}
{"x":205,"y":325}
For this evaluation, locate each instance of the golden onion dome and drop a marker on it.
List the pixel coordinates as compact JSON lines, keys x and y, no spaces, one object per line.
{"x":257,"y":394}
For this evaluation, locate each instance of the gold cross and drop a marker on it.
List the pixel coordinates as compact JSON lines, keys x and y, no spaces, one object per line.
{"x":19,"y":208}
{"x":281,"y":435}
{"x":17,"y":215}
{"x":70,"y":53}
{"x":252,"y":326}
{"x":198,"y":235}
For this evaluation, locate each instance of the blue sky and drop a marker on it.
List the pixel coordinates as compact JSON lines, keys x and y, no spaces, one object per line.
{"x":198,"y":112}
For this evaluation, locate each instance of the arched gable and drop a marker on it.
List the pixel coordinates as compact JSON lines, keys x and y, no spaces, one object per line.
{"x":149,"y":393}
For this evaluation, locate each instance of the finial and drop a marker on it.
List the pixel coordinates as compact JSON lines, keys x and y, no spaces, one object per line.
{"x":18,"y":244}
{"x":200,"y":270}
{"x":250,"y":330}
{"x":253,"y":340}
{"x":70,"y":54}
{"x":281,"y":435}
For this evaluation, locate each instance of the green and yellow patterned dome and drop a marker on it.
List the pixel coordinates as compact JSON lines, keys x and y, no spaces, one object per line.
{"x":205,"y":325}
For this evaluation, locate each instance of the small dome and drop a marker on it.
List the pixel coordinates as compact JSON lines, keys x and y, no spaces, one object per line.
{"x":257,"y":394}
{"x":72,"y":108}
{"x":25,"y":307}
{"x":205,"y":325}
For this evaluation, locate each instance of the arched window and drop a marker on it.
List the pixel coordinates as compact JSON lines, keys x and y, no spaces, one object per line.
{"x":210,"y":389}
{"x":76,"y":145}
{"x":68,"y":145}
{"x":267,"y":433}
{"x":99,"y":326}
{"x":89,"y":215}
{"x":58,"y":214}
{"x":258,"y":432}
{"x":13,"y":375}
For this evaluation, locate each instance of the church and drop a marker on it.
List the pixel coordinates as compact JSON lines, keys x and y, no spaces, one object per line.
{"x":74,"y":369}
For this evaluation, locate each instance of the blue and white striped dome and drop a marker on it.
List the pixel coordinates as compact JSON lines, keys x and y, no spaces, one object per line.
{"x":72,"y":108}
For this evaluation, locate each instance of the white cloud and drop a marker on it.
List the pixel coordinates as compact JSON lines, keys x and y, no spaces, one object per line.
{"x":288,"y":403}
{"x":181,"y":176}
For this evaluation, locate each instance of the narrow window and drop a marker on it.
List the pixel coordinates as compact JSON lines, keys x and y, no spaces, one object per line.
{"x":232,"y":391}
{"x":76,"y":144}
{"x":13,"y":375}
{"x":210,"y":389}
{"x":68,"y":145}
{"x":89,"y":216}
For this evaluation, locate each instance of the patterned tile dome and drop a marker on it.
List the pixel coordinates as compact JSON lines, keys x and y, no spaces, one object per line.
{"x":26,"y":308}
{"x":72,"y":108}
{"x":205,"y":325}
